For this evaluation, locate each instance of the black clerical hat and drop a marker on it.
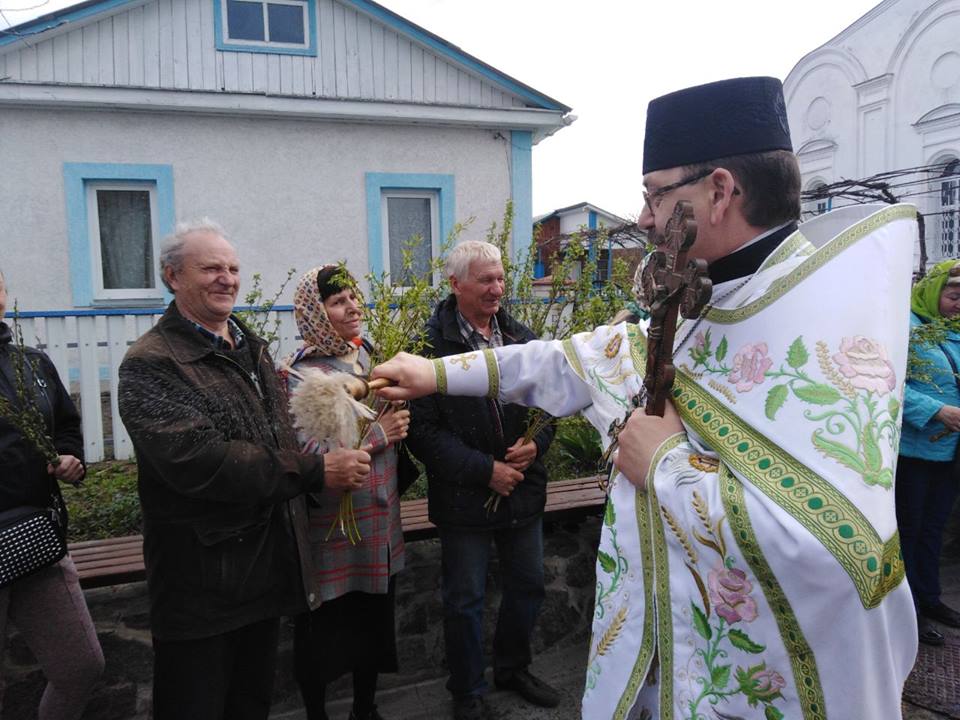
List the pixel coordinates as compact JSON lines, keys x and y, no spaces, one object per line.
{"x":720,"y":119}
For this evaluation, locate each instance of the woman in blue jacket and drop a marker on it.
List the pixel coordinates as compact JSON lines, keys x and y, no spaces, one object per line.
{"x":926,"y":479}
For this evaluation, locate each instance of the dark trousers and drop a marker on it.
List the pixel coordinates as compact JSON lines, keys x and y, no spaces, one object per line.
{"x":925,"y":494}
{"x":465,"y":555}
{"x":224,"y":677}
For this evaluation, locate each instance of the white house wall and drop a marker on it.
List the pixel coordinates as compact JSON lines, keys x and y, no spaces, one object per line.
{"x":291,"y":193}
{"x":170,"y":44}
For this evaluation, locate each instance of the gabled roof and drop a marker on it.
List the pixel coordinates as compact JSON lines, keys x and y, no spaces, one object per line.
{"x":91,"y":9}
{"x":578,"y":207}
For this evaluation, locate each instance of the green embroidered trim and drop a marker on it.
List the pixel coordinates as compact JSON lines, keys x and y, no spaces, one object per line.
{"x":787,"y":248}
{"x":638,"y":349}
{"x":662,"y":605}
{"x":441,"y":373}
{"x":822,"y":509}
{"x":806,"y":677}
{"x":493,"y":374}
{"x":645,"y":656}
{"x":817,"y":260}
{"x":570,"y":351}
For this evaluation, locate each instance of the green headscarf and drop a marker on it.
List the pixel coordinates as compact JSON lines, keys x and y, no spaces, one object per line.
{"x":925,"y":297}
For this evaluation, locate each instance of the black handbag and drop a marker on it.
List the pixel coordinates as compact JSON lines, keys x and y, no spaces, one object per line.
{"x":31,"y":539}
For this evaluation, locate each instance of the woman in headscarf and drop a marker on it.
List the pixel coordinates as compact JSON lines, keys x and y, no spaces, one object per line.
{"x":353,"y":629}
{"x":927,"y":479}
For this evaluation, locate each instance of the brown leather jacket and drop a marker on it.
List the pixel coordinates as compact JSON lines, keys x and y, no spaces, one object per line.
{"x":221,"y":482}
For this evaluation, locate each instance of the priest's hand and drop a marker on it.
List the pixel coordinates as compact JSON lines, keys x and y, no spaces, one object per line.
{"x":504,"y":478}
{"x":414,"y":377}
{"x":639,"y":440}
{"x":345,"y":469}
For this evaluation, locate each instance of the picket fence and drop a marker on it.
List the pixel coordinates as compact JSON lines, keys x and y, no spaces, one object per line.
{"x":87,"y":347}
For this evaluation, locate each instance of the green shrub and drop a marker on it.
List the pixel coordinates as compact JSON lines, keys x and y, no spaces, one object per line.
{"x":576,"y":449}
{"x":106,"y":504}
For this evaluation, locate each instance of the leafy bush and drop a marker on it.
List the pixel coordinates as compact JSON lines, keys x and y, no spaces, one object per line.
{"x":576,"y":450}
{"x":106,"y":504}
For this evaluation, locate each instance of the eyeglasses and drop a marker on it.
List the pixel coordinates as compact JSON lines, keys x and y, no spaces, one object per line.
{"x":653,"y":199}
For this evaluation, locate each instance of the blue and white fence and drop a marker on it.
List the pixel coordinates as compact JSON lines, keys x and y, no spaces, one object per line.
{"x":87,"y":347}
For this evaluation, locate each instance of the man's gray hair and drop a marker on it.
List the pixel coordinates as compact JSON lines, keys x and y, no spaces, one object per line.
{"x":464,"y":254}
{"x":171,"y":249}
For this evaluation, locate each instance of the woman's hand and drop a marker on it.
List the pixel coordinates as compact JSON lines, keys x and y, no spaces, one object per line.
{"x":68,"y":470}
{"x":395,"y":424}
{"x":414,"y":377}
{"x":949,"y":415}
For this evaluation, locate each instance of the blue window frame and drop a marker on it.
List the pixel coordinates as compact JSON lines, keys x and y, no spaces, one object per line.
{"x":286,"y":27}
{"x":400,"y":205}
{"x":116,"y":217}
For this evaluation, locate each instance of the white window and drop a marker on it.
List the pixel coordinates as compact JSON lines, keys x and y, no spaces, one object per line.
{"x":273,"y":24}
{"x":122,"y":219}
{"x":410,"y":221}
{"x":950,"y":210}
{"x":817,"y":206}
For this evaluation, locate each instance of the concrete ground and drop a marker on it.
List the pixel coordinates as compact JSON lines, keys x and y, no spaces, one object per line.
{"x":564,"y":669}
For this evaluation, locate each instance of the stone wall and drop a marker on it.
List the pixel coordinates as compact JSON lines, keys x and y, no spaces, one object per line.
{"x":122,"y":621}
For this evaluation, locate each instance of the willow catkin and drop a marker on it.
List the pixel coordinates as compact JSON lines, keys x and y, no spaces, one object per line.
{"x":324,"y":410}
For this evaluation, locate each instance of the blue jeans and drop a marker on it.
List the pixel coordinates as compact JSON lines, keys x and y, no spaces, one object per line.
{"x":465,"y":556}
{"x":925,"y":493}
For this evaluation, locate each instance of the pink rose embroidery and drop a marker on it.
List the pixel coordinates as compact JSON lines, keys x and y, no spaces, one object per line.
{"x":730,"y":595}
{"x":750,"y":365}
{"x":767,"y":684}
{"x":864,"y":363}
{"x":699,"y":342}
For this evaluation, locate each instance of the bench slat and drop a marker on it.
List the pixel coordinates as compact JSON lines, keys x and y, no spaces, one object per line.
{"x":113,"y":561}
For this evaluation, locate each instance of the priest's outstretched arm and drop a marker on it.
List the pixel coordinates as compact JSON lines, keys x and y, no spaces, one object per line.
{"x":536,"y":374}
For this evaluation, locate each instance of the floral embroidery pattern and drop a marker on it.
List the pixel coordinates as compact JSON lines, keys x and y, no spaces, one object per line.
{"x":856,"y":408}
{"x":614,"y":567}
{"x":724,"y":606}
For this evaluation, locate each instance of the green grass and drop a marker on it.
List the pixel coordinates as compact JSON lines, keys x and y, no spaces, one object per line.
{"x":106,"y":504}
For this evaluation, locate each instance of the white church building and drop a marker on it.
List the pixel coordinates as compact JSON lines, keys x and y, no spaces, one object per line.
{"x":882,"y":97}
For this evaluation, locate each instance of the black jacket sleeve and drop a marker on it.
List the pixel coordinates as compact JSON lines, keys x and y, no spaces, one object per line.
{"x":66,"y":428}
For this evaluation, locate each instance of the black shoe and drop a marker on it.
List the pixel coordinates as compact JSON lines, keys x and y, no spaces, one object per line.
{"x":530,"y":688}
{"x":372,"y":714}
{"x":469,"y":707}
{"x":928,"y":634}
{"x":942,"y":613}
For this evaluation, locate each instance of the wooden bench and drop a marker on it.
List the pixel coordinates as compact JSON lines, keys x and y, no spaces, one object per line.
{"x":114,"y":561}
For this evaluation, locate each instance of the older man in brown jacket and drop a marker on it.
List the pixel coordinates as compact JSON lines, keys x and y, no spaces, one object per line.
{"x":221,"y":483}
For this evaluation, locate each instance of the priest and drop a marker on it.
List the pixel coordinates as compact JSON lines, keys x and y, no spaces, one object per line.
{"x":749,"y":563}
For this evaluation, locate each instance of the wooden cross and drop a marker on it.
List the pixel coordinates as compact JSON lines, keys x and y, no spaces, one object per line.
{"x":670,"y":285}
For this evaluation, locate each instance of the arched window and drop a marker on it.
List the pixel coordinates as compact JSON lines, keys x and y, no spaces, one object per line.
{"x":815,"y":206}
{"x":950,"y":210}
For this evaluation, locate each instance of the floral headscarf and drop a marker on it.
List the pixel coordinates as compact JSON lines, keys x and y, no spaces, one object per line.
{"x":319,"y":335}
{"x":925,"y":296}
